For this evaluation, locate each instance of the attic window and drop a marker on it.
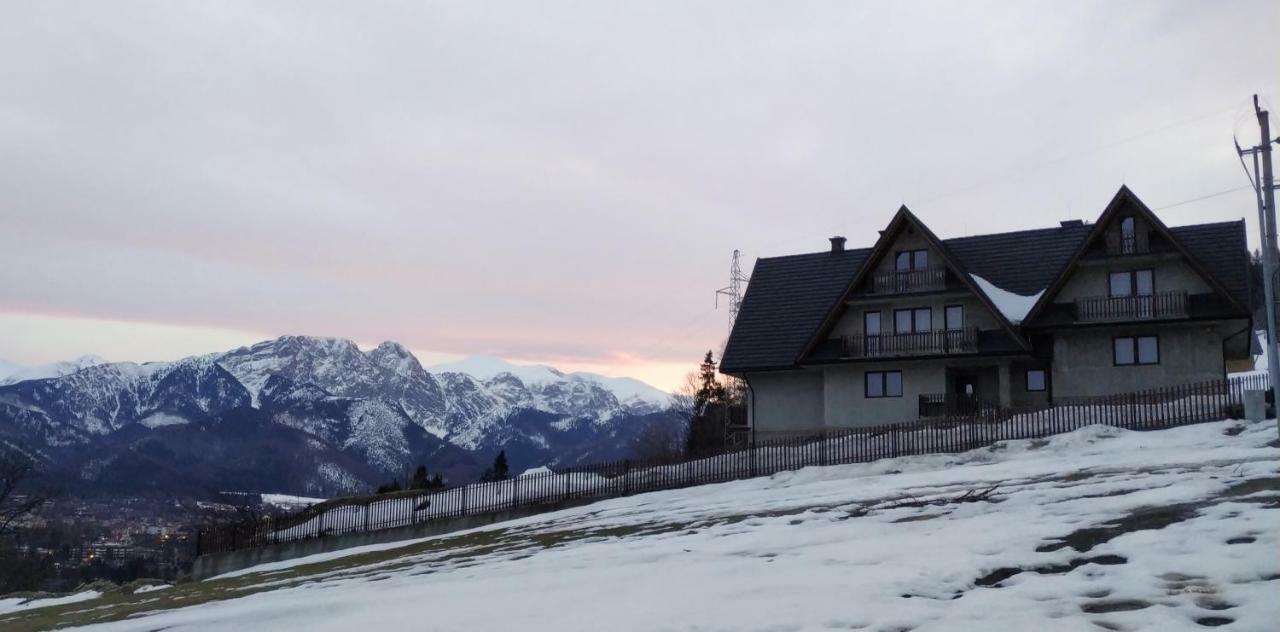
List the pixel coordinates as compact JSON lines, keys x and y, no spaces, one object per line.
{"x":908,"y":260}
{"x":1128,"y":236}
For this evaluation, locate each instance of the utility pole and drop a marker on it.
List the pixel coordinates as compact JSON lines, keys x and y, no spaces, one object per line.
{"x":1268,"y":185}
{"x":1264,"y":189}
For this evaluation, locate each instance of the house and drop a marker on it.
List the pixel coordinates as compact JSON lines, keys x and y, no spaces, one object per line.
{"x":918,"y":326}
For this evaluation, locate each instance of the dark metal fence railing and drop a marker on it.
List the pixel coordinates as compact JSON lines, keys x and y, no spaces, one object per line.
{"x":1118,"y":308}
{"x":919,"y":280}
{"x":937,"y":342}
{"x":1144,"y":410}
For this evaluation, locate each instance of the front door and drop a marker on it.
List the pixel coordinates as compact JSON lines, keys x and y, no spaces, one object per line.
{"x":966,"y":394}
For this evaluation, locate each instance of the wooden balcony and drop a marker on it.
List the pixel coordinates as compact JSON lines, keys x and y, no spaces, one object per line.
{"x":1107,"y":309}
{"x":904,"y":281}
{"x":939,"y":342}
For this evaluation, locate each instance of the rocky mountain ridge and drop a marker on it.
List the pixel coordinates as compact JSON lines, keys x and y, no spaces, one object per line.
{"x":336,"y":418}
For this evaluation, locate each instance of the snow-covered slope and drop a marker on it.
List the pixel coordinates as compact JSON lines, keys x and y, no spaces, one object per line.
{"x":1100,"y":529}
{"x":13,"y":373}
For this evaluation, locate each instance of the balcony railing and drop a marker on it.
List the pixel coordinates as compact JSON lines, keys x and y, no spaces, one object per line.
{"x":1127,"y":244}
{"x":940,"y":342}
{"x":901,"y":281}
{"x":941,"y":405}
{"x":1099,"y":309}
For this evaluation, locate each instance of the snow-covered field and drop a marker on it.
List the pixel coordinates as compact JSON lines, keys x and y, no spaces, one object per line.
{"x":17,"y":604}
{"x":545,"y":485}
{"x":1099,"y":529}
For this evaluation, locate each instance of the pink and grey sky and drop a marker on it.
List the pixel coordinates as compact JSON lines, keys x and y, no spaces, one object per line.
{"x":563,"y":182}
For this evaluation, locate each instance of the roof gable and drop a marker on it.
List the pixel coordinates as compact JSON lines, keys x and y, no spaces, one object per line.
{"x":1124,"y":201}
{"x":902,"y":220}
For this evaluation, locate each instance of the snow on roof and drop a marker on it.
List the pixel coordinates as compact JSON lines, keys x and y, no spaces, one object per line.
{"x":1013,"y":306}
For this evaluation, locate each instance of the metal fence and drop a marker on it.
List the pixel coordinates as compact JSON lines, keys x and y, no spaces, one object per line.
{"x":1145,"y":410}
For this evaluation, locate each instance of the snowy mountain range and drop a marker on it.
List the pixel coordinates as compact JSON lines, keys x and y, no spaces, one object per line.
{"x":315,"y":416}
{"x":13,"y":373}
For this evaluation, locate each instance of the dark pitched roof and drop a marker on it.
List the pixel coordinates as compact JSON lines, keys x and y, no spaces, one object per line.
{"x":785,"y":302}
{"x":789,"y":297}
{"x":1022,"y":262}
{"x":1221,"y":247}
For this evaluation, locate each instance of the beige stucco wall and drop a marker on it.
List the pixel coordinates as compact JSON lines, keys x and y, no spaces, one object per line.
{"x":786,"y":401}
{"x":833,"y":396}
{"x":975,"y":313}
{"x":1171,"y":273}
{"x":1021,"y":397}
{"x":845,"y":404}
{"x":1083,"y":361}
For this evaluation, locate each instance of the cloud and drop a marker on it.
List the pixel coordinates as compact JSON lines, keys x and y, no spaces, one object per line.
{"x":567,"y":180}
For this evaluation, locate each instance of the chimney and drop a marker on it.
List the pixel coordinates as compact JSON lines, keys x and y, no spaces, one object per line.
{"x":837,"y":244}
{"x":1067,"y":223}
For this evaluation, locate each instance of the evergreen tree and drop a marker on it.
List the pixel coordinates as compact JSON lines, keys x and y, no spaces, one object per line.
{"x":707,"y":409}
{"x":420,"y":480}
{"x":710,"y":390}
{"x":500,"y":470}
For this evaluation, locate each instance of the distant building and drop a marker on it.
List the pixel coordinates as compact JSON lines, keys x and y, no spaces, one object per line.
{"x":918,"y":326}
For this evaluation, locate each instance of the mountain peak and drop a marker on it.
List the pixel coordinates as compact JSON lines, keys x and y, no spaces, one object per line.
{"x":391,"y":347}
{"x":394,"y":357}
{"x":304,"y":342}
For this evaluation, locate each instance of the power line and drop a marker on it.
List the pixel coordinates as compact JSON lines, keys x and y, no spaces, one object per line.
{"x":1078,"y":154}
{"x":1203,"y":197}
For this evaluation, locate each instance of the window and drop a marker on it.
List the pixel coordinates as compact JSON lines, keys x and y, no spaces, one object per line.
{"x":908,"y":260}
{"x":1130,"y":350}
{"x":1132,"y":283}
{"x":1124,"y":353}
{"x":923,"y":318}
{"x":1128,"y":236}
{"x":901,"y":321}
{"x":1035,"y":380}
{"x":954,"y":317}
{"x":912,"y":321}
{"x":883,"y":384}
{"x":871,"y":323}
{"x":1148,"y":350}
{"x":1121,"y":284}
{"x":1144,"y":282}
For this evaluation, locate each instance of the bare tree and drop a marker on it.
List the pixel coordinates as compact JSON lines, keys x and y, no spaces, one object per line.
{"x":659,"y":442}
{"x":682,"y":400}
{"x":22,"y":489}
